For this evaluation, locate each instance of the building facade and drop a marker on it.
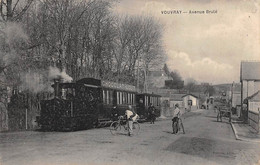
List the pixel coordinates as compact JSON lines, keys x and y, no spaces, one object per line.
{"x":250,"y":83}
{"x":190,"y":102}
{"x":249,"y":78}
{"x":254,"y":102}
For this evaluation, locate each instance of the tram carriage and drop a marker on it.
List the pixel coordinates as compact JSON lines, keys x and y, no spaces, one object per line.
{"x":143,"y":102}
{"x":87,"y":102}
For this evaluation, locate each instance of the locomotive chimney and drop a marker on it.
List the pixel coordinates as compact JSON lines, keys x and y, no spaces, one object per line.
{"x":56,"y":87}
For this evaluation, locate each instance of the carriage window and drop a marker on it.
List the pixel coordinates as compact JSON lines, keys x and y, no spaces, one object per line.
{"x":117,"y":97}
{"x":107,"y":98}
{"x":132,"y":98}
{"x":104,"y":97}
{"x":121,"y":98}
{"x":111,"y":97}
{"x":126,"y":98}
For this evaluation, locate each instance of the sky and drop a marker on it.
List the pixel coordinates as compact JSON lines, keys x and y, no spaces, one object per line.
{"x":205,"y":47}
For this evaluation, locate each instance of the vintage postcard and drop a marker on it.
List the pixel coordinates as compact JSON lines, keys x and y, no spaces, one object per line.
{"x":125,"y":82}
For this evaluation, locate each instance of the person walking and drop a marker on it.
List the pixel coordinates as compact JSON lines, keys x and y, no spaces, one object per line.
{"x":152,"y":115}
{"x":130,"y":114}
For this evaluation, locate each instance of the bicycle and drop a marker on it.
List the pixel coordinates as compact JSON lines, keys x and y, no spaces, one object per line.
{"x":115,"y":126}
{"x":177,"y":125}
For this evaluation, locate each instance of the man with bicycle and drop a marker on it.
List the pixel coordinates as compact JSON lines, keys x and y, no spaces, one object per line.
{"x":130,"y":117}
{"x":176,"y":118}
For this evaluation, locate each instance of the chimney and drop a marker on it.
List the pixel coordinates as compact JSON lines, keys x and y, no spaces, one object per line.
{"x":56,"y":87}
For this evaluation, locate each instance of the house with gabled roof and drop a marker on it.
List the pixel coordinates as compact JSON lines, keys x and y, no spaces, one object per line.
{"x":190,"y":101}
{"x":249,"y":78}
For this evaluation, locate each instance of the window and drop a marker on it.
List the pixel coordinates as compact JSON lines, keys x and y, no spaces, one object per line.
{"x":146,"y":100}
{"x":67,"y":93}
{"x":107,"y":98}
{"x":117,"y":97}
{"x":190,"y":102}
{"x":124,"y":98}
{"x":104,"y":96}
{"x":111,"y":97}
{"x":121,"y":98}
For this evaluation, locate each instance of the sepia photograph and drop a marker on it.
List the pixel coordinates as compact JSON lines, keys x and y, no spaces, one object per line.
{"x":129,"y":82}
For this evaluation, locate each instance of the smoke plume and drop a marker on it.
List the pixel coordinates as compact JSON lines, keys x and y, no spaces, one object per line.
{"x":36,"y":82}
{"x":55,"y":73}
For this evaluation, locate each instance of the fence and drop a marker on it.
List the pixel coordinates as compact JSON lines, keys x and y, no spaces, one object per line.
{"x":253,"y":120}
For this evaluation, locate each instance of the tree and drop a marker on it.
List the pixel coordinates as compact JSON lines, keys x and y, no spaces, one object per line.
{"x":191,"y":85}
{"x":138,"y":48}
{"x":176,"y":82}
{"x":166,"y":70}
{"x":210,"y":90}
{"x":13,"y":12}
{"x":152,"y":51}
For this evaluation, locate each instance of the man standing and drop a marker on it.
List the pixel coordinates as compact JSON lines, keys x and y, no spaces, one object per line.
{"x":176,"y":116}
{"x":130,"y":114}
{"x":114,"y":113}
{"x":152,"y":115}
{"x":177,"y":111}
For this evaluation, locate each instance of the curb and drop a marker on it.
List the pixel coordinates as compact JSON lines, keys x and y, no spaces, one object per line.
{"x":234,"y":130}
{"x":239,"y":138}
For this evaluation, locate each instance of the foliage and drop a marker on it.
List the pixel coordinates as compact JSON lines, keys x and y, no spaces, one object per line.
{"x":82,"y":38}
{"x":176,"y":81}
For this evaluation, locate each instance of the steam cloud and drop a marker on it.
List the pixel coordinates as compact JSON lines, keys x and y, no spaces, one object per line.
{"x":55,"y":73}
{"x":41,"y":81}
{"x":35,"y":82}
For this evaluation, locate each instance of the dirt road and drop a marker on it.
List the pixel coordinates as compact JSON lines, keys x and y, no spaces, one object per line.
{"x":205,"y":142}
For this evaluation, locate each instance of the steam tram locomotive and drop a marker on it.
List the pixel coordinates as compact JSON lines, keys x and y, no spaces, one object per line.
{"x":87,"y":102}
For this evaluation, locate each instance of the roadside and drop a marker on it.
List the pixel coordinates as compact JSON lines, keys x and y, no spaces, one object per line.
{"x":244,"y":132}
{"x":206,"y":141}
